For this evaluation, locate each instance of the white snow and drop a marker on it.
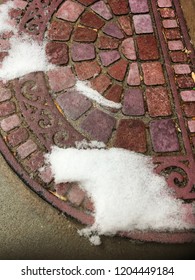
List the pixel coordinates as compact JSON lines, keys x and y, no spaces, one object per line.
{"x":5,"y":21}
{"x":84,"y":88}
{"x":25,"y":56}
{"x":126,"y":192}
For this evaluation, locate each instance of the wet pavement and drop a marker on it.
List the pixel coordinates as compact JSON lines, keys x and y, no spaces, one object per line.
{"x":143,"y":59}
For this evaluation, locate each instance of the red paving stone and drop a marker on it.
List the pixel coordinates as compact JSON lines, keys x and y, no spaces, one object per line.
{"x":134,"y":52}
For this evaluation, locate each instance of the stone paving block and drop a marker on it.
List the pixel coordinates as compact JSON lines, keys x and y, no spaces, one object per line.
{"x":158,"y":102}
{"x":142,"y":24}
{"x":101,"y":83}
{"x":182,"y":69}
{"x":62,"y":188}
{"x":102,"y":9}
{"x":98,"y":125}
{"x":10,"y":123}
{"x":133,"y":78}
{"x":189,"y":109}
{"x":17,"y":137}
{"x":84,"y":34}
{"x":125,"y":24}
{"x":185,"y":82}
{"x":87,"y":2}
{"x":118,"y":70}
{"x":87,"y":69}
{"x":133,"y":103}
{"x":138,"y":7}
{"x":70,"y":11}
{"x":61,"y":78}
{"x":164,"y":136}
{"x":191,"y":125}
{"x":131,"y":135}
{"x":20,"y":4}
{"x":151,"y":51}
{"x":88,"y":204}
{"x":114,"y":93}
{"x":170,"y":23}
{"x":82,"y":51}
{"x":60,"y":30}
{"x":178,"y":56}
{"x":91,"y":20}
{"x":172,"y":34}
{"x":106,"y":42}
{"x":35,"y":161}
{"x":7,"y":108}
{"x":128,"y":49}
{"x":2,"y":56}
{"x":73,"y":104}
{"x":76,"y":195}
{"x":188,"y":95}
{"x":4,"y":45}
{"x":164,"y":3}
{"x":175,"y":45}
{"x":27,"y":148}
{"x":153,"y":73}
{"x":119,"y":7}
{"x":46,"y":175}
{"x":5,"y":94}
{"x":112,"y":29}
{"x":108,"y":57}
{"x":57,"y":53}
{"x":167,"y":13}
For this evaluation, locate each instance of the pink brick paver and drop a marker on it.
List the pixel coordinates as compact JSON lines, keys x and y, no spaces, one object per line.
{"x":70,"y":11}
{"x":143,"y":24}
{"x":136,"y":53}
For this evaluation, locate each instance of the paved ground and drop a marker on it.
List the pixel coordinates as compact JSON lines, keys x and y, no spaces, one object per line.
{"x":38,"y":217}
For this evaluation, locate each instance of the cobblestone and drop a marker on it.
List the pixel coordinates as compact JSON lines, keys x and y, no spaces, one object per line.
{"x":61,"y":78}
{"x":151,"y":52}
{"x":143,"y":24}
{"x":153,"y":73}
{"x":133,"y":104}
{"x":131,"y":135}
{"x":10,"y":122}
{"x":164,"y":136}
{"x":98,"y":125}
{"x":87,"y":69}
{"x":73,"y":104}
{"x":6,"y":108}
{"x":158,"y":102}
{"x":70,"y":11}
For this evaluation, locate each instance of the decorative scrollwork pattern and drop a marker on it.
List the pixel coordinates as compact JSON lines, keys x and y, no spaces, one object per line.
{"x":179,"y":174}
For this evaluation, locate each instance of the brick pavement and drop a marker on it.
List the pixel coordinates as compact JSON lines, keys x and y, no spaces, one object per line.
{"x":134,"y":52}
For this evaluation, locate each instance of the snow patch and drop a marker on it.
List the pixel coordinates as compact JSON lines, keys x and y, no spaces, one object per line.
{"x":126,"y":193}
{"x":84,"y":88}
{"x":5,"y":21}
{"x":25,"y":56}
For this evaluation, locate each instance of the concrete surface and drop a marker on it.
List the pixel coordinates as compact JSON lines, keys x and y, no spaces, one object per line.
{"x":31,"y":229}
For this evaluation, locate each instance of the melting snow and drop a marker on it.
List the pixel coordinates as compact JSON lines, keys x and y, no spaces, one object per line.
{"x":126,"y":192}
{"x":25,"y":54}
{"x":84,"y":88}
{"x":5,"y":21}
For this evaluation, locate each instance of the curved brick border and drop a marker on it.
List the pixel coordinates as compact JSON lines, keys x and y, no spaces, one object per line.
{"x":87,"y":218}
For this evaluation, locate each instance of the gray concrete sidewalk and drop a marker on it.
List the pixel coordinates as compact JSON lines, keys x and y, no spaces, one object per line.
{"x":31,"y":229}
